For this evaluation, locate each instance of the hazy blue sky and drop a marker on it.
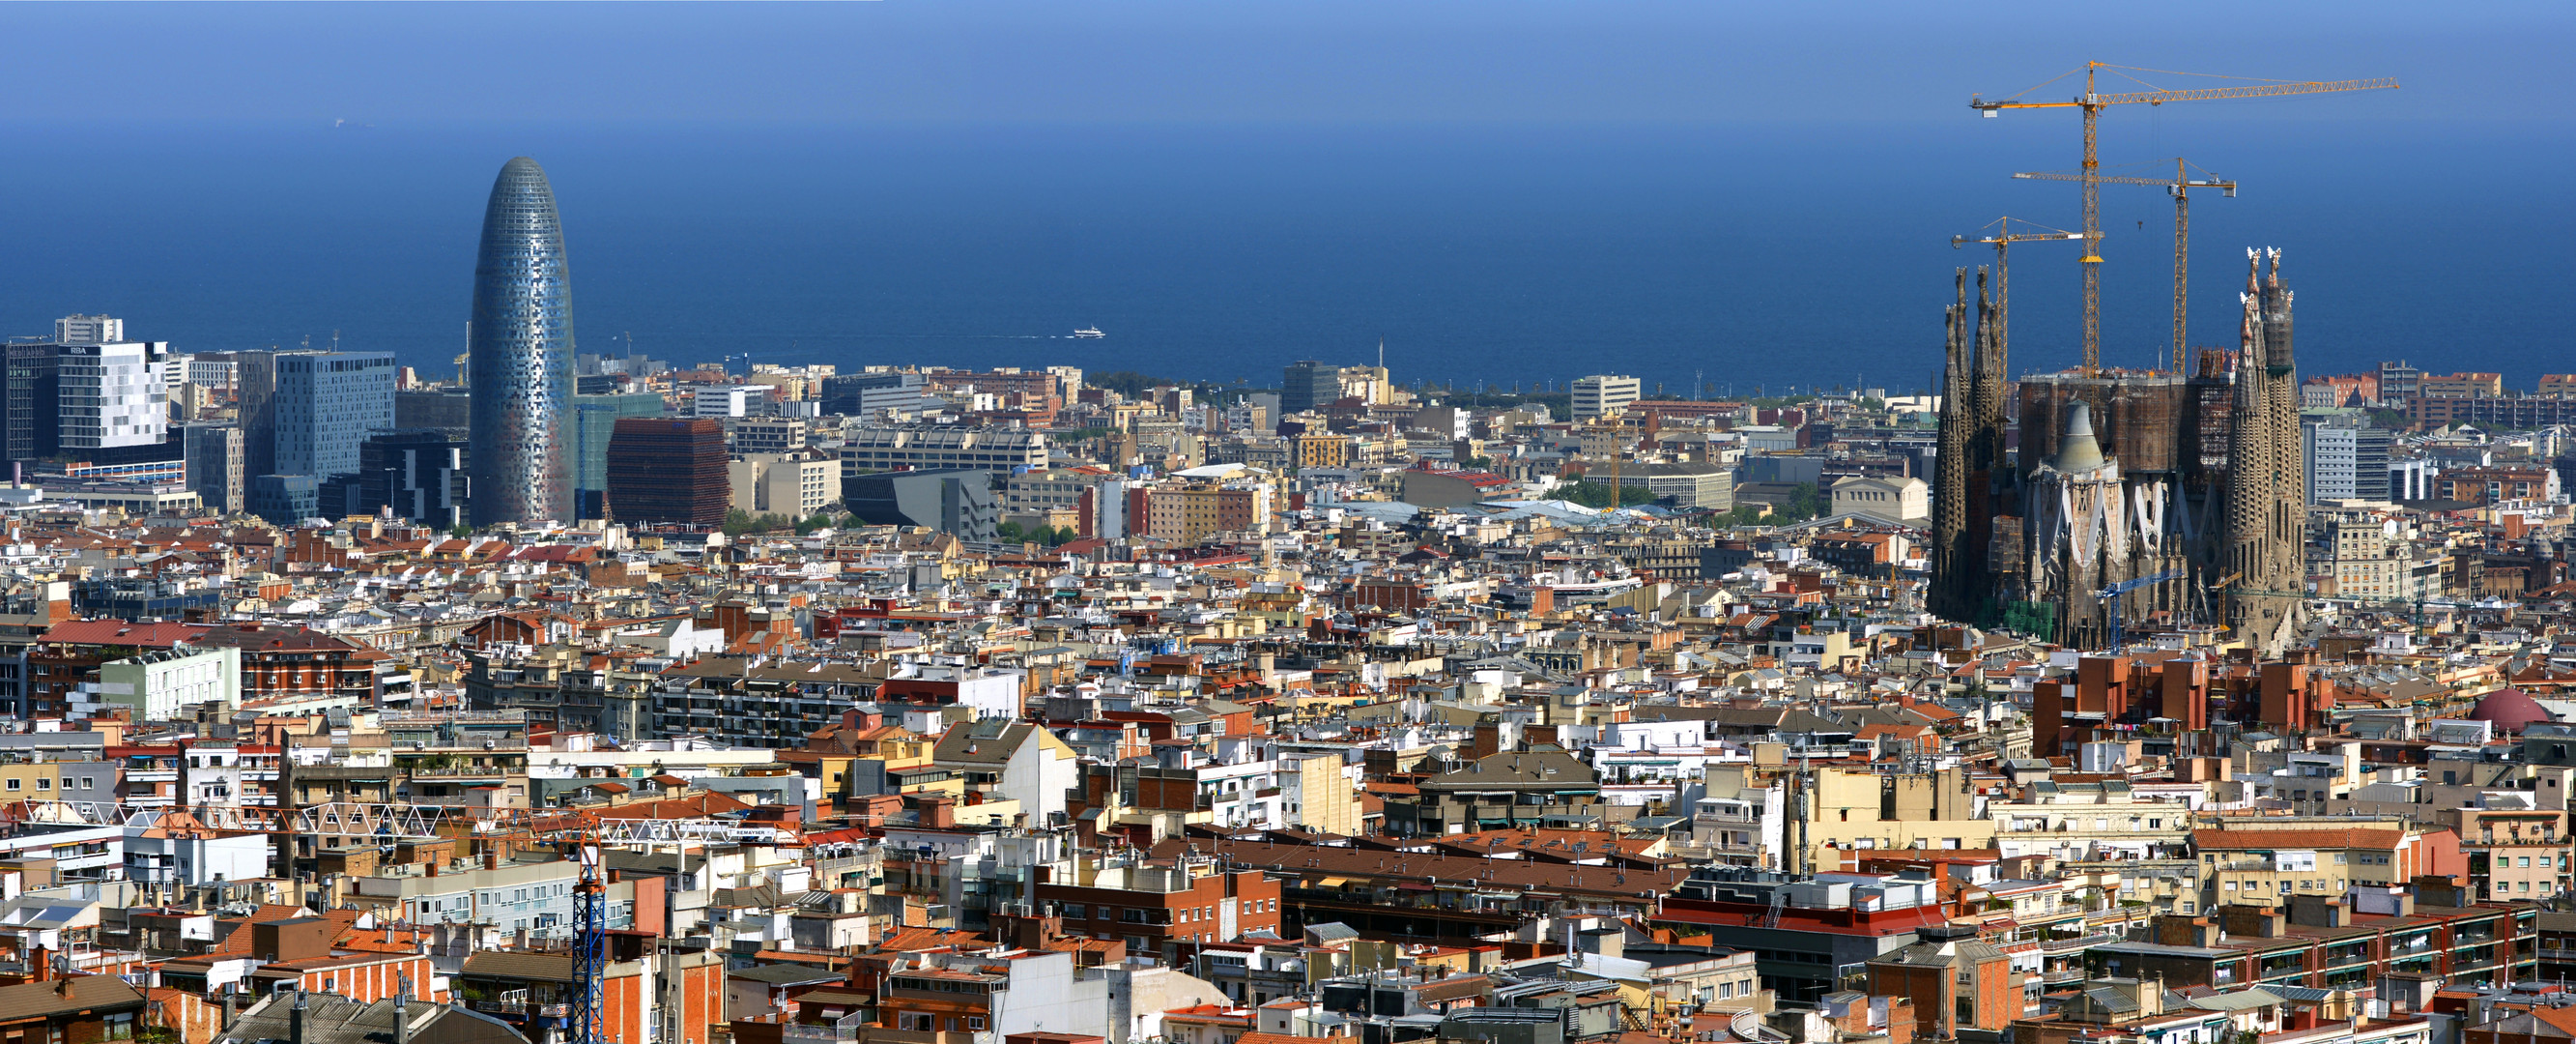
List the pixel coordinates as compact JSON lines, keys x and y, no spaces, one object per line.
{"x":1223,"y":61}
{"x":1504,"y":190}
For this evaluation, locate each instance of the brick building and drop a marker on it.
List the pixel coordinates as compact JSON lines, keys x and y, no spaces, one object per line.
{"x":1165,"y":909}
{"x":1953,"y":980}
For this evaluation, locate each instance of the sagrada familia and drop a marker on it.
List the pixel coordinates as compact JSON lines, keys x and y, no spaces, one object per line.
{"x":2163,"y":497}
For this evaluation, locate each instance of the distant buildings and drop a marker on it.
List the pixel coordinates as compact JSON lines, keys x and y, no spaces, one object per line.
{"x":30,"y":411}
{"x":668,"y":470}
{"x":522,"y":348}
{"x":420,"y":474}
{"x":863,"y":395}
{"x":216,"y":465}
{"x":1307,"y":384}
{"x":325,"y":405}
{"x":785,"y":484}
{"x":957,"y":501}
{"x":1604,"y":395}
{"x":595,"y":420}
{"x":919,"y":447}
{"x":114,"y":395}
{"x":89,"y":329}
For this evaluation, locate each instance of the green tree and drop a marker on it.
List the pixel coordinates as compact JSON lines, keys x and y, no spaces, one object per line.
{"x":462,"y":531}
{"x":737,"y":522}
{"x":1011,"y":533}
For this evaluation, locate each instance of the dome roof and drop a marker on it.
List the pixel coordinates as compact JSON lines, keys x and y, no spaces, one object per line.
{"x":2509,"y":710}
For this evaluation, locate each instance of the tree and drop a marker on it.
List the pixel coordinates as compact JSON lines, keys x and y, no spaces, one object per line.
{"x":462,"y":532}
{"x":1011,"y":533}
{"x":737,"y":522}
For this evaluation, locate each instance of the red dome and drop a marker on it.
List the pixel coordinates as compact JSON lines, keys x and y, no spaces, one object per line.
{"x":2509,"y":710}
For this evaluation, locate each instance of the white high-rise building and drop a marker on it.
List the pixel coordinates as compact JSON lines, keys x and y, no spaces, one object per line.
{"x":2333,"y":461}
{"x":115,"y":394}
{"x":89,"y":329}
{"x":1602,"y":395}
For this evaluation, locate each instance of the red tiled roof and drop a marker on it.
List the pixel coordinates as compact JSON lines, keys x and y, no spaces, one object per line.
{"x":119,"y":632}
{"x":2329,"y":838}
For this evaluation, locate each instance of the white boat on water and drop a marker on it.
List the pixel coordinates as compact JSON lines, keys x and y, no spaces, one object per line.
{"x":1089,"y":333}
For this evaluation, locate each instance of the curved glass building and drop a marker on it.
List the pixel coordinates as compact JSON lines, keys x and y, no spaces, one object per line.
{"x":521,"y":372}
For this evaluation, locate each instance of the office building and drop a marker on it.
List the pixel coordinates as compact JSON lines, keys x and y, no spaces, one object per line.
{"x":2399,"y":383}
{"x":766,"y":434}
{"x":255,"y":407}
{"x":31,"y":393}
{"x":420,"y":474}
{"x":328,"y":403}
{"x":1307,"y":384}
{"x":522,"y":348}
{"x":285,"y":500}
{"x":2331,"y":451}
{"x":958,"y":502}
{"x":668,"y":470}
{"x":216,"y":465}
{"x":735,"y":400}
{"x":891,"y":448}
{"x":89,"y":329}
{"x":595,"y":420}
{"x":865,"y":394}
{"x":114,"y":395}
{"x":447,"y":409}
{"x":785,"y":484}
{"x":219,"y":373}
{"x":1602,"y":395}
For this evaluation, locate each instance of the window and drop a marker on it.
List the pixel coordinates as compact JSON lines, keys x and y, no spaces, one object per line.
{"x":974,"y":1022}
{"x":44,"y":784}
{"x":14,"y":784}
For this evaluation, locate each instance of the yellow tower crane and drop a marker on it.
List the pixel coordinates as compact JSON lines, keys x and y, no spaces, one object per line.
{"x":2002,"y":240}
{"x":2091,"y":103}
{"x":2180,"y":187}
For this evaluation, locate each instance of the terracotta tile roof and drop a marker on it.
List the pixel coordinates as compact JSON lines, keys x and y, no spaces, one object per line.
{"x":36,"y":1000}
{"x":2328,"y":838}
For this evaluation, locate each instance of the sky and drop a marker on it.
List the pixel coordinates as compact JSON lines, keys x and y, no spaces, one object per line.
{"x":1817,"y":64}
{"x":1718,"y":191}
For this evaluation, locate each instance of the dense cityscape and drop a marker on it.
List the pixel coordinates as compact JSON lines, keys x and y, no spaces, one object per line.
{"x":573,"y":697}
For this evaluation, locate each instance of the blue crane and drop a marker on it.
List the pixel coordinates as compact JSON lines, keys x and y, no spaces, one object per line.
{"x":2119,"y":591}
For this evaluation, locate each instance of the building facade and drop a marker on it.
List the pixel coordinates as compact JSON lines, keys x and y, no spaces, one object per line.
{"x":114,"y":395}
{"x":668,"y":470}
{"x":326,"y":404}
{"x":522,"y":348}
{"x":1602,"y":395}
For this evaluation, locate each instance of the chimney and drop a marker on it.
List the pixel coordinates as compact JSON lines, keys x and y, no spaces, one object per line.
{"x":295,"y":1020}
{"x":402,"y":1012}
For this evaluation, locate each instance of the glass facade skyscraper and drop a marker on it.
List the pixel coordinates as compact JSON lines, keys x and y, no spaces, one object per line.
{"x":521,"y":373}
{"x":326,"y":404}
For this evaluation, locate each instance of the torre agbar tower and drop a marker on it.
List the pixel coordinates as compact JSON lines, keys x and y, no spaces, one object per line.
{"x":521,"y":342}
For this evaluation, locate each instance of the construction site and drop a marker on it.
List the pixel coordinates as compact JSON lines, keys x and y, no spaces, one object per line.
{"x":2090,"y":503}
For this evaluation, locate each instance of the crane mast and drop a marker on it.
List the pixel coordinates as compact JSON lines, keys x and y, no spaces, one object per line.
{"x":2002,"y":241}
{"x":2180,"y":188}
{"x":2091,"y":103}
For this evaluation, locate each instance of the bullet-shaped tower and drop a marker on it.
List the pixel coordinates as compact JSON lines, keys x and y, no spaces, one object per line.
{"x":521,"y":371}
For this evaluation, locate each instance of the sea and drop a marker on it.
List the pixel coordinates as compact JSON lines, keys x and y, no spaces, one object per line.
{"x":1706,"y":258}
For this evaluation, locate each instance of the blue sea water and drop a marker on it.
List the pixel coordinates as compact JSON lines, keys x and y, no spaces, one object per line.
{"x":1745,"y":256}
